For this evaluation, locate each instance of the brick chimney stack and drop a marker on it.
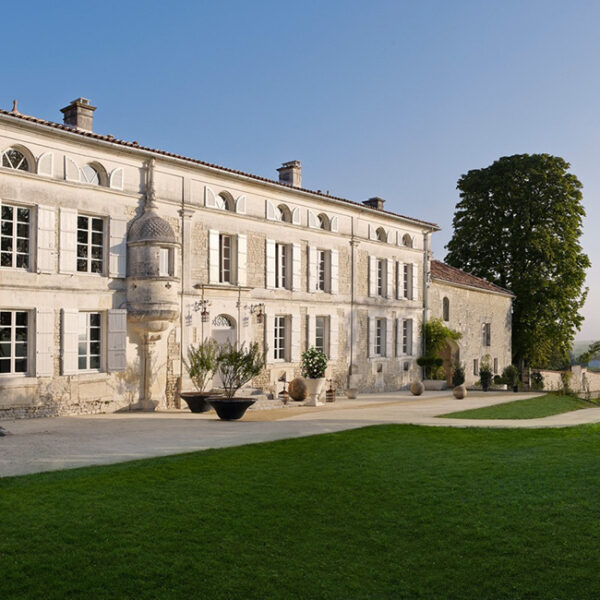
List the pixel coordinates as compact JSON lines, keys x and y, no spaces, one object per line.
{"x":290,"y":173}
{"x":79,"y":114}
{"x":375,"y":202}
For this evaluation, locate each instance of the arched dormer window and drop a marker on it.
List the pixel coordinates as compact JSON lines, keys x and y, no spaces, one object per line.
{"x":323,"y":222}
{"x":446,"y":308}
{"x":285,"y":213}
{"x":407,"y":241}
{"x":381,"y":235}
{"x":14,"y":158}
{"x":225,"y":201}
{"x":93,"y":174}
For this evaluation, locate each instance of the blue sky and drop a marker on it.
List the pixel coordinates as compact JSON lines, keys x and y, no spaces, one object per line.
{"x":395,"y":99}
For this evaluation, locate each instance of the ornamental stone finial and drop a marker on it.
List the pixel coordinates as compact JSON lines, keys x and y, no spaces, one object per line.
{"x":150,"y":191}
{"x":14,"y":108}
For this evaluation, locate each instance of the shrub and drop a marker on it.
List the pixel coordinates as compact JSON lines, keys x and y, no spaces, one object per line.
{"x":510,"y":374}
{"x":238,"y":365}
{"x":485,"y":373}
{"x":537,"y":381}
{"x":458,"y":375}
{"x":499,"y":380}
{"x":202,"y":363}
{"x":314,"y":363}
{"x":565,"y":378}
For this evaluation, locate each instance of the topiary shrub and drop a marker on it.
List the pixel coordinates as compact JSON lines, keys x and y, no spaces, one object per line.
{"x":458,"y":375}
{"x":485,"y":373}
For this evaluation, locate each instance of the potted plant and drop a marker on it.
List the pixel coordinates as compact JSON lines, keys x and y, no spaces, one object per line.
{"x":201,"y":364}
{"x":510,"y":375}
{"x":485,"y":373}
{"x":237,"y":366}
{"x":314,"y":363}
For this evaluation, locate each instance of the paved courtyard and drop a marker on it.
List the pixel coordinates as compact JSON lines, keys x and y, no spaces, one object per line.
{"x":35,"y":445}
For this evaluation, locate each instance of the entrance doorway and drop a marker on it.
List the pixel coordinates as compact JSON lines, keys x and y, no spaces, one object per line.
{"x":223,"y":330}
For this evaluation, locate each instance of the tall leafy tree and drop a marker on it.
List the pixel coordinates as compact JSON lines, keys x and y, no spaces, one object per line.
{"x":518,"y":224}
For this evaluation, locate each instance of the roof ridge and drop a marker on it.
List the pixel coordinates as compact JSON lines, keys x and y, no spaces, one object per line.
{"x":485,"y":281}
{"x":137,"y":146}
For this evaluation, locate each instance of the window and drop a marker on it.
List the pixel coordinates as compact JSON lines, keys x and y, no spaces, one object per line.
{"x":486,"y":334}
{"x":379,"y":337}
{"x":225,"y":269}
{"x":90,"y":325}
{"x":476,"y":367}
{"x":321,"y":270}
{"x":279,"y":337}
{"x":322,"y":334}
{"x":323,"y":222}
{"x":89,"y":174}
{"x":281,"y":265}
{"x":225,"y":201}
{"x":14,"y":339}
{"x":90,"y":244}
{"x":407,"y":332}
{"x":407,"y":241}
{"x":283,"y":213}
{"x":446,"y":309}
{"x":14,"y":242}
{"x":13,"y":159}
{"x":165,"y":262}
{"x":381,"y":277}
{"x":408,"y":276}
{"x":495,"y":366}
{"x":381,"y":235}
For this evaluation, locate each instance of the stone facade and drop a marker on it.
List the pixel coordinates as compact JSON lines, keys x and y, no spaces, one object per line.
{"x":109,"y":315}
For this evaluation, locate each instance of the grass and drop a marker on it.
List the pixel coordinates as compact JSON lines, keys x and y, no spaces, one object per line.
{"x":382,"y":512}
{"x":531,"y":408}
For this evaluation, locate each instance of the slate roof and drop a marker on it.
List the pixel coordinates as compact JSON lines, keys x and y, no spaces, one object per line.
{"x":444,"y":272}
{"x":135,"y":145}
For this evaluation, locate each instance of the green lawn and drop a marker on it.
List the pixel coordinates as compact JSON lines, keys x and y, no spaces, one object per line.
{"x":382,"y":512}
{"x":531,"y":408}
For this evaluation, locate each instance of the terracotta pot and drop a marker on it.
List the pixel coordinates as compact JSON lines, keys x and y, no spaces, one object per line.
{"x":417,"y":388}
{"x":231,"y":409}
{"x":460,"y":392}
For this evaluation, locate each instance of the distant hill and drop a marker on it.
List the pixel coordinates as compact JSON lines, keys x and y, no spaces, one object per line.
{"x":580,"y":346}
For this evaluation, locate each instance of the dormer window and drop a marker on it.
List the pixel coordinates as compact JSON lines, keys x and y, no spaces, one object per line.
{"x":14,"y":159}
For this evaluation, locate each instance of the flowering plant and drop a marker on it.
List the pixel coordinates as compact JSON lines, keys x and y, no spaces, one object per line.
{"x":314,"y":363}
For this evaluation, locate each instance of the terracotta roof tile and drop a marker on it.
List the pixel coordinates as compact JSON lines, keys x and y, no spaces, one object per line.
{"x":444,"y":272}
{"x":113,"y":140}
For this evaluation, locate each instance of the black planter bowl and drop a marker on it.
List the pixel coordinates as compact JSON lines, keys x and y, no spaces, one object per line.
{"x":230,"y":409}
{"x":197,"y":401}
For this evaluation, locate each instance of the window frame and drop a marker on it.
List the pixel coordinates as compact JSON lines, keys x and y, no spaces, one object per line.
{"x":446,"y":308}
{"x":486,"y":335}
{"x":282,"y":264}
{"x":381,"y":277}
{"x":26,"y":159}
{"x":280,"y":337}
{"x":322,"y":270}
{"x":15,"y":237}
{"x":322,"y":322}
{"x":13,"y":342}
{"x":225,"y":258}
{"x":89,"y":340}
{"x":407,"y":331}
{"x":169,"y":261}
{"x":89,"y":245}
{"x":379,"y":341}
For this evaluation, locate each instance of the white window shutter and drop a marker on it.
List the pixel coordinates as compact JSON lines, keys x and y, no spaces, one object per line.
{"x":311,"y":330}
{"x":333,"y":336}
{"x":296,"y":267}
{"x":46,"y":238}
{"x":371,"y":336}
{"x":44,"y":342}
{"x":413,"y":340}
{"x":117,"y":340}
{"x":334,"y":224}
{"x":117,"y":263}
{"x":334,"y":271}
{"x":390,"y":278}
{"x":45,"y":164}
{"x":296,"y":216}
{"x":69,"y":340}
{"x":295,"y":338}
{"x":398,"y":326}
{"x":270,"y":264}
{"x":115,"y":181}
{"x":312,"y":269}
{"x":242,"y":252}
{"x":213,"y":256}
{"x":71,"y":170}
{"x":372,"y":233}
{"x":270,"y":212}
{"x":210,"y":200}
{"x":67,"y":259}
{"x":389,"y":337}
{"x":240,"y":205}
{"x":372,"y":276}
{"x":399,"y":280}
{"x":313,"y":222}
{"x":415,"y":281}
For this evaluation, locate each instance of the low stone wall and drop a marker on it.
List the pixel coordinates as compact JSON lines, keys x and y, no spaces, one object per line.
{"x":582,"y":381}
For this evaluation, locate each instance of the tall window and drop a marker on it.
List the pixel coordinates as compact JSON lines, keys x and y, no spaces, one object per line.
{"x":14,"y":338}
{"x":407,"y":329}
{"x":321,"y":270}
{"x":407,"y":281}
{"x":89,"y":351}
{"x":495,"y":366}
{"x":322,"y":334}
{"x":379,"y":337}
{"x":279,"y":337}
{"x":446,"y":308}
{"x":476,"y":367}
{"x":486,"y":334}
{"x":14,"y":241}
{"x":165,"y":262}
{"x":381,"y":277}
{"x":90,"y":244}
{"x":281,"y":265}
{"x":13,"y":159}
{"x":225,"y":258}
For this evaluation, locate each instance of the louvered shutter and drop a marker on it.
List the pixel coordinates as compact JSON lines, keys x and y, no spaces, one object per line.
{"x":334,"y":224}
{"x":389,"y":337}
{"x":270,"y":211}
{"x":44,"y":342}
{"x":46,"y":239}
{"x":333,"y":336}
{"x":399,"y":331}
{"x":389,"y":278}
{"x":371,"y":337}
{"x":372,"y":233}
{"x":313,"y":222}
{"x":71,"y":170}
{"x":296,"y":267}
{"x":67,"y":259}
{"x":295,"y":338}
{"x":242,"y":253}
{"x":117,"y":340}
{"x":240,"y":205}
{"x":45,"y":164}
{"x":311,"y":330}
{"x":117,"y":263}
{"x":296,"y":216}
{"x":116,"y":179}
{"x":69,"y":341}
{"x":312,"y":268}
{"x":213,"y":256}
{"x":270,"y":337}
{"x":372,"y":276}
{"x":334,"y":271}
{"x":415,"y":281}
{"x":270,"y":264}
{"x":413,"y":343}
{"x":210,"y":200}
{"x":399,"y":280}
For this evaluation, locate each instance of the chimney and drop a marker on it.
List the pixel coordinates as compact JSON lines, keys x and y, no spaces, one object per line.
{"x":79,"y":114}
{"x":290,"y":173}
{"x":375,"y":202}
